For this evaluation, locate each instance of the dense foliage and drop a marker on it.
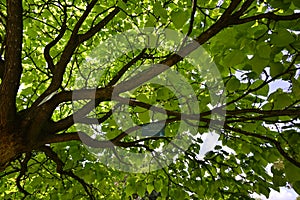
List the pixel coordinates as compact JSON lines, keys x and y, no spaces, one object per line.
{"x":47,"y":145}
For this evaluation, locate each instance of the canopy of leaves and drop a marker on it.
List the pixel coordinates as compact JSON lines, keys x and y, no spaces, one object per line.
{"x":47,"y":146}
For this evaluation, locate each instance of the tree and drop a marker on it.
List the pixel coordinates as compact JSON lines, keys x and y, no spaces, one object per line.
{"x":51,"y":107}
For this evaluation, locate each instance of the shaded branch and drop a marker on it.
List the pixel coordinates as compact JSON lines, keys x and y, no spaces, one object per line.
{"x":270,"y":16}
{"x":80,"y":136}
{"x":46,"y":109}
{"x":13,"y":62}
{"x":85,"y":14}
{"x":267,"y":113}
{"x":74,"y":41}
{"x":2,"y":65}
{"x":192,"y":17}
{"x":271,"y":140}
{"x":87,"y":120}
{"x":23,"y":171}
{"x":146,"y":75}
{"x":243,"y":8}
{"x":62,"y":31}
{"x":59,"y":168}
{"x":289,"y":69}
{"x":95,"y":29}
{"x":122,"y":71}
{"x":96,"y":97}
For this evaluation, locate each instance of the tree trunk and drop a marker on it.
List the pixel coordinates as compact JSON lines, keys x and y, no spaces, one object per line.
{"x":12,"y":144}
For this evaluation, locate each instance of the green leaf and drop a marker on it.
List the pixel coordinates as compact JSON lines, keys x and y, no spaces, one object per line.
{"x":276,"y":68}
{"x":139,"y":109}
{"x":151,"y":22}
{"x":158,"y":185}
{"x":264,"y":190}
{"x":233,"y":84}
{"x":163,"y":93}
{"x":296,"y":87}
{"x":142,"y":97}
{"x":159,"y":10}
{"x":150,"y":188}
{"x":279,"y":181}
{"x":296,"y":3}
{"x":282,"y":101}
{"x":292,"y":172}
{"x":258,"y":64}
{"x":283,"y":4}
{"x":140,"y":189}
{"x":122,"y":5}
{"x":144,"y":117}
{"x":264,"y":51}
{"x":130,"y":189}
{"x":179,"y":18}
{"x":234,"y":58}
{"x":296,"y":186}
{"x":282,"y":38}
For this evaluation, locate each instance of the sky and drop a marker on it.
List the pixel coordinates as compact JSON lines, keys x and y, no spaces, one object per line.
{"x":284,"y":194}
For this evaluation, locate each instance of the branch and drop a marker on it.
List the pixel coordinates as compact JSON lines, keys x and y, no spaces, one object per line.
{"x":88,"y":9}
{"x":13,"y":61}
{"x":23,"y":171}
{"x":243,"y":8}
{"x":74,"y":41}
{"x":290,"y":112}
{"x":80,"y":136}
{"x":133,"y":102}
{"x":122,"y":71}
{"x":118,"y":138}
{"x":275,"y":142}
{"x":87,"y":120}
{"x":233,"y":5}
{"x":90,"y":33}
{"x":126,"y":85}
{"x":265,"y":82}
{"x":2,"y":65}
{"x":270,"y":16}
{"x":192,"y":17}
{"x":62,"y":31}
{"x":59,"y":168}
{"x":87,"y":140}
{"x":146,"y":75}
{"x":45,"y":110}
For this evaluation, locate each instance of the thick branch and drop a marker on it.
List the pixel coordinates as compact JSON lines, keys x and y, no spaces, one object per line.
{"x":74,"y":41}
{"x":45,"y":110}
{"x":2,"y":64}
{"x":13,"y":63}
{"x":146,"y":75}
{"x":80,"y":136}
{"x":141,"y":77}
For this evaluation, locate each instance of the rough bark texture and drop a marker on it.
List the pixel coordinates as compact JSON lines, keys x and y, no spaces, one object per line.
{"x":11,"y":145}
